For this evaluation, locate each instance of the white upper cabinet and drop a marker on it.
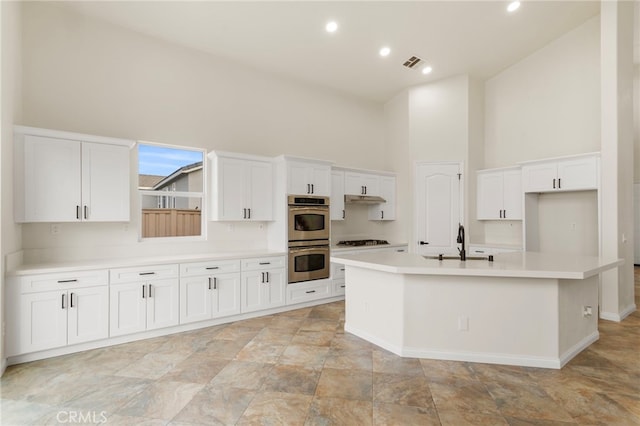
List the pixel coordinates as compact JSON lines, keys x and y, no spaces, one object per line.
{"x":308,"y":177}
{"x":562,"y":174}
{"x":500,"y":194}
{"x":68,"y":177}
{"x":361,"y":183}
{"x":385,"y":211}
{"x":337,"y":195}
{"x":242,"y":187}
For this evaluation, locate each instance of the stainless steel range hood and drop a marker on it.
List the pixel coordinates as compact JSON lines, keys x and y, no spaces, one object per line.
{"x":363,"y":199}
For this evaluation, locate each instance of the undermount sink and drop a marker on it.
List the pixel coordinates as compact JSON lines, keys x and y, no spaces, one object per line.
{"x":444,"y":257}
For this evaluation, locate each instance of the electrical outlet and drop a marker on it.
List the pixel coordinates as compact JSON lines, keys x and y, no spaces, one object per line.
{"x":55,"y":228}
{"x":463,"y":323}
{"x":586,"y":311}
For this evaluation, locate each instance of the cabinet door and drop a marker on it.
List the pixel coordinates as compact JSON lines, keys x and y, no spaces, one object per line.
{"x":320,"y":177}
{"x":298,"y":178}
{"x":578,"y":174}
{"x":105,"y":182}
{"x":230,"y":200}
{"x":337,"y":196}
{"x":195,"y":299}
{"x":512,"y":195}
{"x":490,"y":195}
{"x":127,"y":308}
{"x":385,"y":211}
{"x":353,"y":183}
{"x":259,"y":191}
{"x":52,"y":175}
{"x":226,"y":295}
{"x":88,"y":314}
{"x":539,"y":177}
{"x":275,"y":288}
{"x":371,"y":184}
{"x":43,"y":321}
{"x":163,"y":303}
{"x":251,"y":292}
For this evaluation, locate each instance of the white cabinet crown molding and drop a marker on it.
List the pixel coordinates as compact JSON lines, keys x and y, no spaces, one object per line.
{"x":364,"y":171}
{"x":286,"y":158}
{"x":61,"y":134}
{"x":564,"y":157}
{"x":240,"y":156}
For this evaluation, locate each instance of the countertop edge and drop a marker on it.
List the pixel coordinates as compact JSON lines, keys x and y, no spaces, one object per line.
{"x":93,"y":264}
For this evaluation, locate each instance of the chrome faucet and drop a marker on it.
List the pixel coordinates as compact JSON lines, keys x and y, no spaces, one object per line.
{"x":463,"y":253}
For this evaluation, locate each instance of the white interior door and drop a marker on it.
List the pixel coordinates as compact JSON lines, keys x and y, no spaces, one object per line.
{"x":438,"y":208}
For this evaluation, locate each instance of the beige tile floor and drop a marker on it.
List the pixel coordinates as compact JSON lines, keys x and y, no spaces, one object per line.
{"x":299,"y":367}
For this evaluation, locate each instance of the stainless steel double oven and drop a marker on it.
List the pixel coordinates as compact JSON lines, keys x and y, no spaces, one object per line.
{"x":308,"y":233}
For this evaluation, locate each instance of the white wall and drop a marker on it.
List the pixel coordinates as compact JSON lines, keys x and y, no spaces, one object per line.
{"x":10,"y":236}
{"x":548,"y":104}
{"x":91,"y":77}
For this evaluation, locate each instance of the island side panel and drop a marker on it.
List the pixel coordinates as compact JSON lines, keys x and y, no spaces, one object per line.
{"x":482,"y":319}
{"x":577,"y":329}
{"x":373,"y":307}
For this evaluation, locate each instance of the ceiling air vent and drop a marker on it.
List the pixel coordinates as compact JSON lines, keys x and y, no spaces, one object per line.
{"x":412,"y":62}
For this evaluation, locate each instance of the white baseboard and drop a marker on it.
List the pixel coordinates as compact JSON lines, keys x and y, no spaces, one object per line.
{"x":578,"y":347}
{"x":618,"y":316}
{"x":480,"y":357}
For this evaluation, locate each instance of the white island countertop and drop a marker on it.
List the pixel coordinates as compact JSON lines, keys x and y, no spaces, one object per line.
{"x":517,"y":265}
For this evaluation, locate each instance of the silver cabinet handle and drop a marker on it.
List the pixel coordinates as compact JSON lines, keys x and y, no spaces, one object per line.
{"x":215,"y":283}
{"x":149,"y":290}
{"x":86,"y":212}
{"x":209,"y":283}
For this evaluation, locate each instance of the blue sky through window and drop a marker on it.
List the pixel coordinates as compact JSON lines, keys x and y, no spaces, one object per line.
{"x":162,"y":161}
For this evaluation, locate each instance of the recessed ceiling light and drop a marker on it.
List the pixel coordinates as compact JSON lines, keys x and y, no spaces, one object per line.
{"x":331,"y":26}
{"x":513,"y":6}
{"x":427,"y":70}
{"x":385,"y":51}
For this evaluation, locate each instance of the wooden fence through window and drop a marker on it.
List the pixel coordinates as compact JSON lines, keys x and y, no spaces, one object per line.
{"x":170,"y":223}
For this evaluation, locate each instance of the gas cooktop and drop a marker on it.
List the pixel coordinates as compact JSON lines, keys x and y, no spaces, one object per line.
{"x":362,"y":242}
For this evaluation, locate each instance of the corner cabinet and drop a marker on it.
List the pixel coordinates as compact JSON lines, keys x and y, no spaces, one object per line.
{"x":70,"y":177}
{"x":499,"y":194}
{"x":242,"y":187}
{"x":53,"y":310}
{"x":575,"y":173}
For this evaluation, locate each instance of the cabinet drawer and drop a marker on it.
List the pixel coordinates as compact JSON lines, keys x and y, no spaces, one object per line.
{"x":143,"y":273}
{"x":302,"y":292}
{"x":260,"y":263}
{"x":63,"y":281}
{"x":209,"y":268}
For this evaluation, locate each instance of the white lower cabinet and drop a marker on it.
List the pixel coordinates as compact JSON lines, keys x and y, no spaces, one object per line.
{"x":212,"y":292}
{"x":55,"y":318}
{"x":263,"y":282}
{"x":146,"y":304}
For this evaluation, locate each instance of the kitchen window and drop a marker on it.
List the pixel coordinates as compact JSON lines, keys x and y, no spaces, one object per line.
{"x":171,"y":187}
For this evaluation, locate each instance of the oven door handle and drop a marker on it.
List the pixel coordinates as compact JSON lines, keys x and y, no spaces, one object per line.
{"x":309,"y":209}
{"x":306,"y":249}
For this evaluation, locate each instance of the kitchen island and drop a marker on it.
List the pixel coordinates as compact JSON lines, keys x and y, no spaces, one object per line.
{"x":526,"y":309}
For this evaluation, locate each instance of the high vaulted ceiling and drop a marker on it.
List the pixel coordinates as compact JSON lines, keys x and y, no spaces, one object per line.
{"x":288,"y":38}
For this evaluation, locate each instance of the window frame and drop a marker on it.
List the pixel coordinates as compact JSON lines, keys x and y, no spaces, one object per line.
{"x":172,"y":195}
